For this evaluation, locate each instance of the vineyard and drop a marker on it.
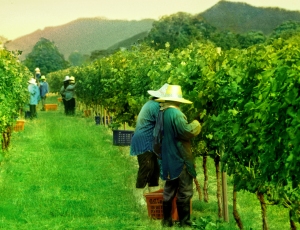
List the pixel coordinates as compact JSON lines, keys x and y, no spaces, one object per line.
{"x":248,"y":100}
{"x":13,"y":93}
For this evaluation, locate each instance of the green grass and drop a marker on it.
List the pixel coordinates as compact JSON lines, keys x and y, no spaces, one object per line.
{"x":64,"y":173}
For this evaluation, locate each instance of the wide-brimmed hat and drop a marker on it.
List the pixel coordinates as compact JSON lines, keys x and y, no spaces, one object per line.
{"x":72,"y":79}
{"x":67,"y":78}
{"x":37,"y":70}
{"x":32,"y":81}
{"x":159,"y":93}
{"x":43,"y":77}
{"x":173,"y":93}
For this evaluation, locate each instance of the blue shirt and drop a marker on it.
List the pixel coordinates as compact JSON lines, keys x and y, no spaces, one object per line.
{"x":142,"y":139}
{"x":44,"y":88}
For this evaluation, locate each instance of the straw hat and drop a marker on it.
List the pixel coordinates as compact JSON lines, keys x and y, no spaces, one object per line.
{"x":159,"y":93}
{"x":173,"y":93}
{"x":67,"y":78}
{"x":72,"y":79}
{"x":43,"y":77}
{"x":32,"y":81}
{"x":37,"y":70}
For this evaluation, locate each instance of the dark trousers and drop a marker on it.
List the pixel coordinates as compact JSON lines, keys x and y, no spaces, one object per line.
{"x":182,"y":186}
{"x":148,"y":172}
{"x":33,"y":113}
{"x":69,"y":106}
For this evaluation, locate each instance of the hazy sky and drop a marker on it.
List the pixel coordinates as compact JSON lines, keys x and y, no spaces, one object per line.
{"x":21,"y":17}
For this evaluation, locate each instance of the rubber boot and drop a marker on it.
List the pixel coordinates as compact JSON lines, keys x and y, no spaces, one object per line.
{"x":167,"y":211}
{"x":184,"y":214}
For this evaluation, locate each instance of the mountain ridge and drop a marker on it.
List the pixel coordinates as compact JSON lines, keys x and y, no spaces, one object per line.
{"x":86,"y":35}
{"x":241,"y":17}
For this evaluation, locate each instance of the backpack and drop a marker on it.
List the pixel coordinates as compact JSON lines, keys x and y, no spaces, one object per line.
{"x":158,"y":134}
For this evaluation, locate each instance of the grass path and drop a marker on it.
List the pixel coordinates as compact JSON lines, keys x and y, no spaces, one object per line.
{"x":64,"y":173}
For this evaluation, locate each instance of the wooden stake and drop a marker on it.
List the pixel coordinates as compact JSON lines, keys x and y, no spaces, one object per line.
{"x":105,"y":117}
{"x":225,"y":198}
{"x":224,"y":189}
{"x":205,"y":186}
{"x":219,"y":185}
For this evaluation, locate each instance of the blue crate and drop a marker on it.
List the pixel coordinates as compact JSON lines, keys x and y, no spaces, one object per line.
{"x":122,"y":137}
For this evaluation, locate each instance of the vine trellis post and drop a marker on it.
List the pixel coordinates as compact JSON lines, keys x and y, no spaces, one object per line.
{"x":224,"y":190}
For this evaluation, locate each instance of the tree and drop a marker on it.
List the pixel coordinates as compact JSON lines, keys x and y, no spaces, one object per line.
{"x":286,"y":30}
{"x":96,"y":54}
{"x":46,"y":56}
{"x":226,"y":40}
{"x":76,"y":58}
{"x":179,"y":30}
{"x":251,"y":38}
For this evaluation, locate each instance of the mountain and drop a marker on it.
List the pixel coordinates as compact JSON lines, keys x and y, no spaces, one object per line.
{"x":84,"y":35}
{"x":240,"y":17}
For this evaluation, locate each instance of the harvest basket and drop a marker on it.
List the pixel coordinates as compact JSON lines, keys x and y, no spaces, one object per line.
{"x":155,"y":205}
{"x":87,"y":113}
{"x":50,"y":107}
{"x":122,"y":137}
{"x":19,"y":126}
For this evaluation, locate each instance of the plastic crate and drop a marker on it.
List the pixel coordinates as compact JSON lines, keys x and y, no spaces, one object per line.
{"x":19,"y":126}
{"x":122,"y":137}
{"x":87,"y":113}
{"x":155,"y":205}
{"x":50,"y":107}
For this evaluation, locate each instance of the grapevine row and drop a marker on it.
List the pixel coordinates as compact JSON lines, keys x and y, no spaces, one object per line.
{"x":248,"y":100}
{"x":13,"y":93}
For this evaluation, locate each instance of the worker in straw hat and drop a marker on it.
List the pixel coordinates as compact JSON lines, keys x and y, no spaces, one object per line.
{"x":34,"y":92}
{"x":37,"y":75}
{"x":62,"y":91}
{"x":177,"y":161}
{"x":70,"y":96}
{"x":141,"y":145}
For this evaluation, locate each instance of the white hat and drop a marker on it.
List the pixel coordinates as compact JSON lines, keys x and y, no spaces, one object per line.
{"x":173,"y":93}
{"x":67,"y":78}
{"x":32,"y":81}
{"x":158,"y":93}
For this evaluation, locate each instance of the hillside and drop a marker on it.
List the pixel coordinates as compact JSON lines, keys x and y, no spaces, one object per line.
{"x":84,"y":35}
{"x":241,"y":17}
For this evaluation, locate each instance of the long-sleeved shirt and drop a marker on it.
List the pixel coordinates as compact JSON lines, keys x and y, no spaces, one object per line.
{"x":142,"y":139}
{"x":70,"y":92}
{"x":44,"y":88}
{"x":34,"y":94}
{"x":176,"y":145}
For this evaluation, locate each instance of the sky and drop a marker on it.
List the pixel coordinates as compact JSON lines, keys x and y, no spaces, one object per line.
{"x":22,"y":17}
